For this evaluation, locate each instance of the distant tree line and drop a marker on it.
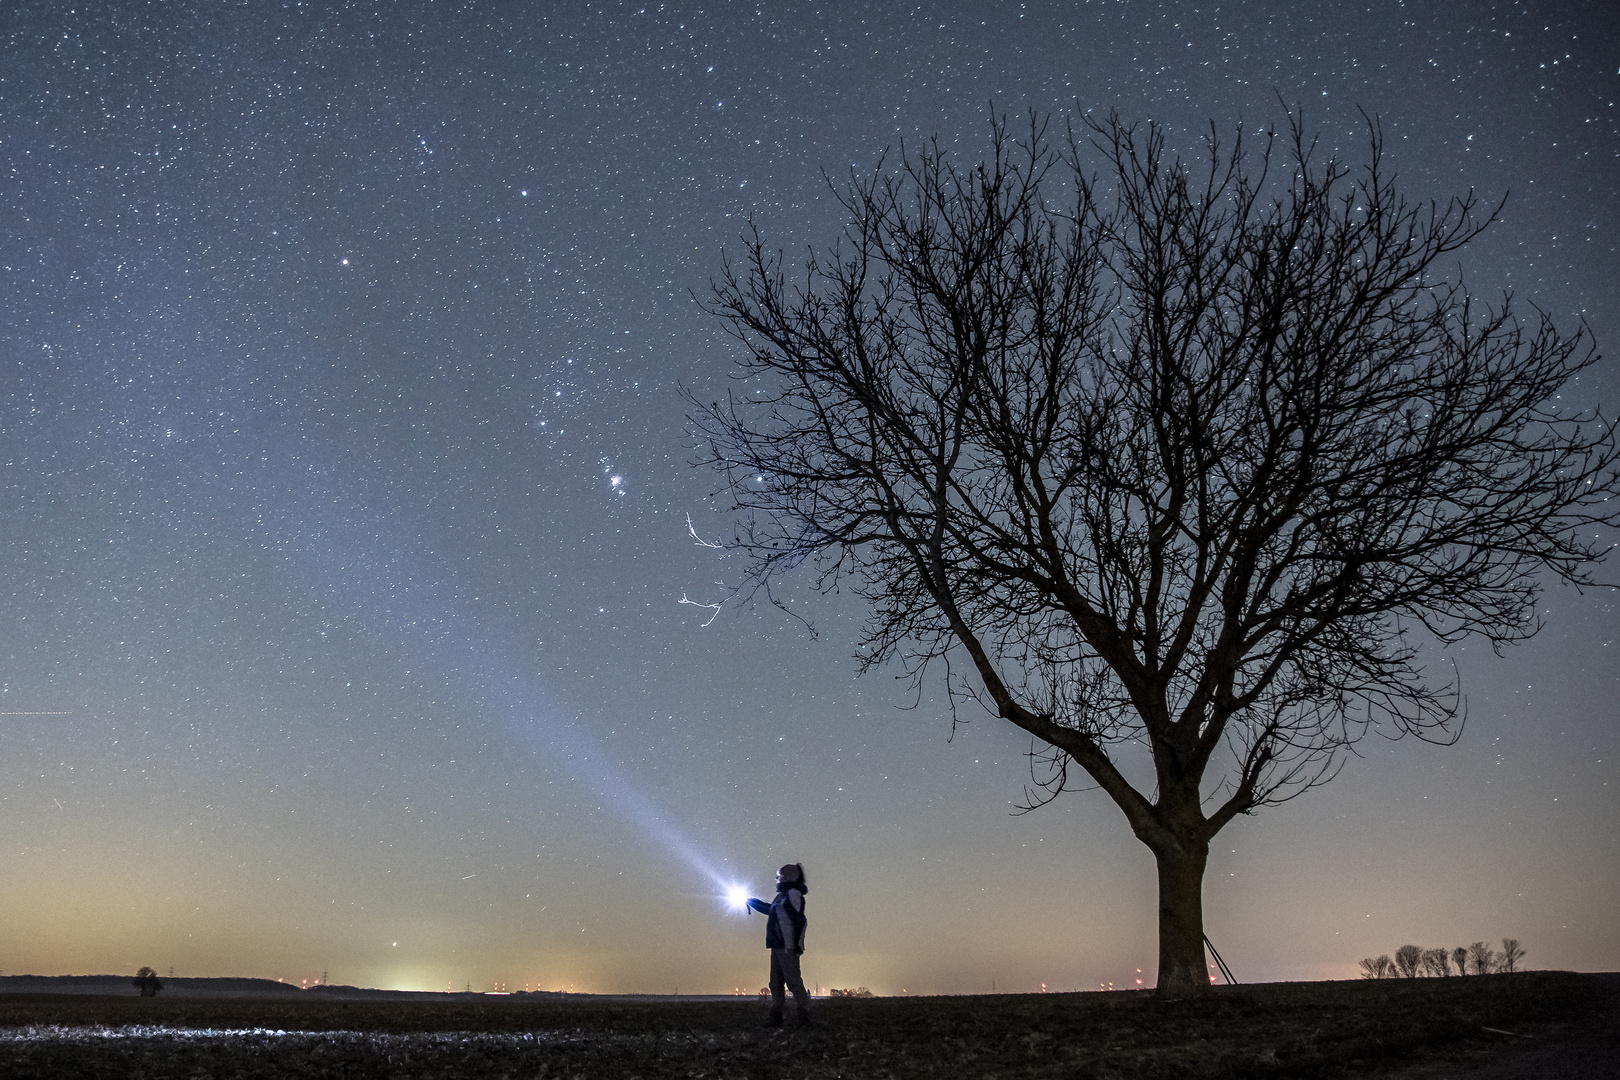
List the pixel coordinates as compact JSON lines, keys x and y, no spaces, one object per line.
{"x":858,"y":992}
{"x":1410,"y":961}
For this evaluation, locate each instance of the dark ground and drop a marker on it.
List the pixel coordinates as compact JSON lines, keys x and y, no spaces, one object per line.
{"x":1548,"y":1024}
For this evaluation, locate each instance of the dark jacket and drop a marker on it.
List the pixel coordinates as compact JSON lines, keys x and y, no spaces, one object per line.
{"x":786,"y":926}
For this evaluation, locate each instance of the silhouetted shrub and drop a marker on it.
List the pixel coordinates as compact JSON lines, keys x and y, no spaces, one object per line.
{"x":147,"y":982}
{"x":1436,"y":963}
{"x":1381,"y":967}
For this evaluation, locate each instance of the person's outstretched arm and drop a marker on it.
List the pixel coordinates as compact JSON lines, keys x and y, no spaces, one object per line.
{"x":756,"y":904}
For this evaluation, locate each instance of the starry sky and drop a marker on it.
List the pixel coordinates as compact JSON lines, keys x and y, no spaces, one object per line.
{"x":348,"y":509}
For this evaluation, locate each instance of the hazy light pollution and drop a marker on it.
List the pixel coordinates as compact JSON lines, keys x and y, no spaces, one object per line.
{"x":346,"y":503}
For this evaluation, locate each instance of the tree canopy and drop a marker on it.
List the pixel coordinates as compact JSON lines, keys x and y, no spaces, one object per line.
{"x":1191,"y":455}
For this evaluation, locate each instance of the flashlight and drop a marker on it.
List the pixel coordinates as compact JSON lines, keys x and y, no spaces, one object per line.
{"x":737,"y":896}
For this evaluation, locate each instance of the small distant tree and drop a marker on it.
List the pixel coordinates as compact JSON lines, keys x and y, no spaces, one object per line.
{"x":1379,"y":967}
{"x":1483,"y":957}
{"x":1459,"y":956}
{"x":147,"y":982}
{"x":1512,"y":955}
{"x":1408,"y":960}
{"x":1436,"y":963}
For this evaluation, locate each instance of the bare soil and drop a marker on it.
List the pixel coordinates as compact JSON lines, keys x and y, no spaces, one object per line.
{"x":1550,"y":1023}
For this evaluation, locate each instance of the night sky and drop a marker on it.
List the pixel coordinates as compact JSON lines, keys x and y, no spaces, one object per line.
{"x":347,"y":498}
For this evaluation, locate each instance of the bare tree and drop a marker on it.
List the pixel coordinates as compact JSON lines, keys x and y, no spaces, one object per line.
{"x":1436,"y":963}
{"x":1483,"y":957}
{"x":1381,"y":967}
{"x":1408,"y":960}
{"x":147,"y":982}
{"x":1175,"y":470}
{"x":1512,"y":956}
{"x":1459,"y":956}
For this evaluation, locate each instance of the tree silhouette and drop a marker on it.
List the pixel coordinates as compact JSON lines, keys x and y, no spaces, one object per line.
{"x":1459,"y":956}
{"x":1512,"y":955}
{"x":1436,"y":963}
{"x":1177,"y":469}
{"x":1381,"y":967}
{"x":1483,"y":957}
{"x":147,"y":982}
{"x":1408,"y":959}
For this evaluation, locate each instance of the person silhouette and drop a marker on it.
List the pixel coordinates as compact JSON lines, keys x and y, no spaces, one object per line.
{"x":784,"y":936}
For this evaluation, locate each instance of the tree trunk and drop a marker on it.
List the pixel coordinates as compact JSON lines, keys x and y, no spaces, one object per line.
{"x":1182,"y":970}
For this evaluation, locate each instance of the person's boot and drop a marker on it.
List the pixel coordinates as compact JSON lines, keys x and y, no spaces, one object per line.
{"x":804,"y":1018}
{"x":773,"y":1019}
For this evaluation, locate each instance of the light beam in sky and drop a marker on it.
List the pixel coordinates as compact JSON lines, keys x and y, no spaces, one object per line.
{"x":396,"y":597}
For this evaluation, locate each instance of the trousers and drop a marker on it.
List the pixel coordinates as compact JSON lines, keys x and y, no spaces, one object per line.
{"x":785,"y":974}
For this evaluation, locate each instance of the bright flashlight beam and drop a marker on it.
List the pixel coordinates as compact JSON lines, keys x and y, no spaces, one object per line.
{"x":737,"y":896}
{"x":519,"y":697}
{"x":398,"y":596}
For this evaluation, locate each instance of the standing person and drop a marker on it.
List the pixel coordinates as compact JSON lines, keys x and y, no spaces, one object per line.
{"x":784,"y":936}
